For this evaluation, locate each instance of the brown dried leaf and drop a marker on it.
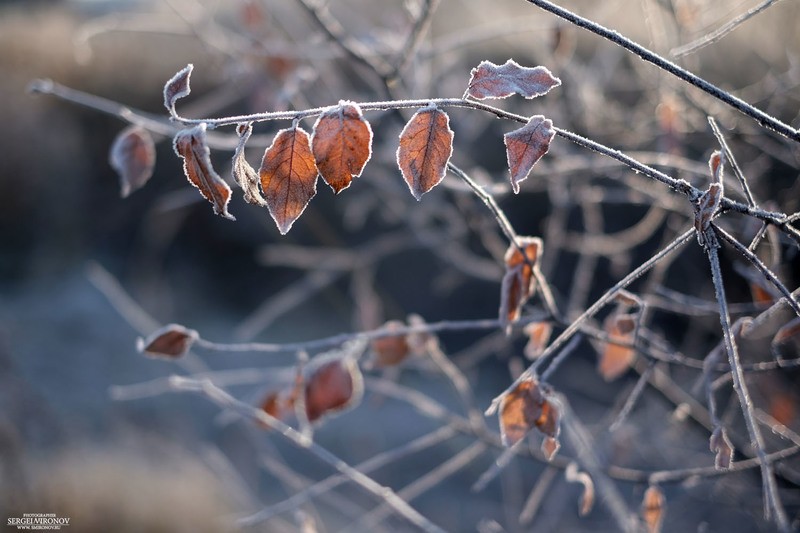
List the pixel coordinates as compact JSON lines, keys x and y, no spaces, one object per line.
{"x":525,"y":146}
{"x":500,"y":81}
{"x":519,"y":411}
{"x":615,"y":360}
{"x":288,"y":176}
{"x":538,"y":336}
{"x":519,"y":283}
{"x":342,"y":144}
{"x":720,"y":444}
{"x":389,"y":351}
{"x":170,"y":342}
{"x":716,"y":163}
{"x":177,"y":87}
{"x":243,"y":173}
{"x":332,"y":387}
{"x":653,"y":505}
{"x":133,"y":156}
{"x":761,"y":296}
{"x":789,"y":331}
{"x":190,"y":144}
{"x":426,"y":144}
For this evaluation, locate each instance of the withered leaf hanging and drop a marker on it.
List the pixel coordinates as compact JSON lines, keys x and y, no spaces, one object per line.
{"x":243,"y":173}
{"x":288,"y":176}
{"x":177,"y":87}
{"x":426,"y":144}
{"x":170,"y":342}
{"x":525,"y":146}
{"x":133,"y":157}
{"x":190,"y":144}
{"x":342,"y":144}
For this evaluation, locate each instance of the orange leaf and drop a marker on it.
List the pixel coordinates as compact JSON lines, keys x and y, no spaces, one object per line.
{"x":177,"y":87}
{"x":519,"y":283}
{"x":288,"y":176}
{"x":615,"y":359}
{"x":342,"y":144}
{"x":720,"y":444}
{"x":191,"y":145}
{"x":426,"y":144}
{"x":761,"y":296}
{"x":133,"y":156}
{"x":782,"y":406}
{"x":538,"y":335}
{"x":170,"y":342}
{"x":789,"y":331}
{"x":653,"y":508}
{"x":501,"y":81}
{"x":525,"y":146}
{"x":243,"y":173}
{"x":519,"y":411}
{"x":332,"y":387}
{"x":390,"y":351}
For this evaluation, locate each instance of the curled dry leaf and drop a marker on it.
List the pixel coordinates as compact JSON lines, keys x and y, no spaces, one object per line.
{"x":500,"y":81}
{"x":288,"y":176}
{"x":538,"y":336}
{"x":332,"y":387}
{"x":716,"y":163}
{"x":170,"y":342}
{"x":190,"y":144}
{"x":525,"y":146}
{"x":720,"y":444}
{"x":243,"y":173}
{"x":530,"y":405}
{"x":426,"y":144}
{"x":519,"y":282}
{"x":615,"y":359}
{"x":392,"y":350}
{"x":177,"y":87}
{"x":133,"y":157}
{"x":587,"y":498}
{"x":342,"y":144}
{"x":653,"y":508}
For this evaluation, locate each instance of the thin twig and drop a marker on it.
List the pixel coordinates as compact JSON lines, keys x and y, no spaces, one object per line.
{"x":740,"y":105}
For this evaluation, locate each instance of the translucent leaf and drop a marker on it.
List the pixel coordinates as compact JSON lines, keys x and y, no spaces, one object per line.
{"x":288,"y":176}
{"x":332,"y":387}
{"x":133,"y":156}
{"x":392,"y":350}
{"x":538,"y":336}
{"x":342,"y":144}
{"x":519,"y":411}
{"x":426,"y":144}
{"x":653,"y":508}
{"x":519,"y":283}
{"x":720,"y":444}
{"x":500,"y":81}
{"x":525,"y":146}
{"x":615,"y":360}
{"x":177,"y":87}
{"x":243,"y":173}
{"x":191,"y":145}
{"x":170,"y":342}
{"x":761,"y":296}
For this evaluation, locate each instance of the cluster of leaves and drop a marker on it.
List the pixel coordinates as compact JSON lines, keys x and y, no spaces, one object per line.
{"x":337,"y":149}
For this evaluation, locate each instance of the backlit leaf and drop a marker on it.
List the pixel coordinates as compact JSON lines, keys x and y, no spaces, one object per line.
{"x":525,"y":146}
{"x":720,"y":444}
{"x":288,"y":176}
{"x":342,"y":144}
{"x":653,"y":505}
{"x":500,"y":81}
{"x":190,"y":144}
{"x":177,"y":87}
{"x":615,"y":360}
{"x":243,"y":173}
{"x":519,"y":282}
{"x":332,"y":387}
{"x":530,"y":405}
{"x":426,"y":144}
{"x":170,"y":342}
{"x":133,"y":156}
{"x":392,"y":350}
{"x":538,"y":336}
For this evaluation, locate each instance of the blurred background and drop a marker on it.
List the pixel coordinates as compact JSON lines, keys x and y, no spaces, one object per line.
{"x":83,"y":272}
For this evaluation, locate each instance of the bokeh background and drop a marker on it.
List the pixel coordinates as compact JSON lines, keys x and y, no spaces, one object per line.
{"x":172,"y":462}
